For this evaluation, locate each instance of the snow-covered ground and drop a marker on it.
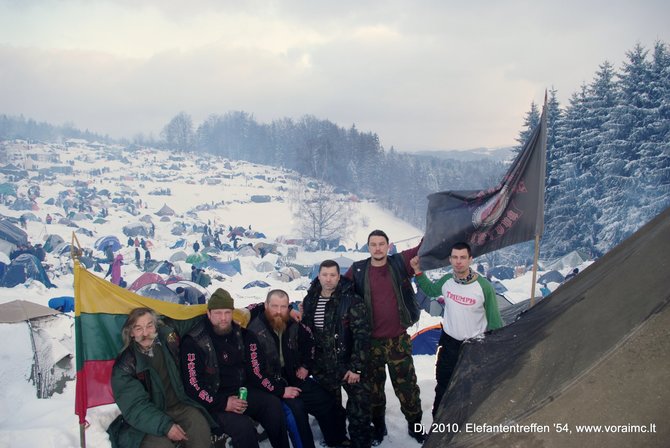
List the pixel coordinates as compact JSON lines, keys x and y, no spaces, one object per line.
{"x":25,"y":420}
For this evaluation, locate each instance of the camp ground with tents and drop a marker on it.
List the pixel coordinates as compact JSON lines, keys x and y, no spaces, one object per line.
{"x":249,"y":247}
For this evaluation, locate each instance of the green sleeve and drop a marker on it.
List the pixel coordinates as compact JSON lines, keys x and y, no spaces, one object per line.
{"x":137,"y":406}
{"x":494,"y":321}
{"x":431,"y":289}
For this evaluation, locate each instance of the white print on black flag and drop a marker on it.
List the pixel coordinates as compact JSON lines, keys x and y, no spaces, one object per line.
{"x":491,"y":219}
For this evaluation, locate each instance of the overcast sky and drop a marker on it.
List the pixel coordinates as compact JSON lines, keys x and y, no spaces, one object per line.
{"x":439,"y":74}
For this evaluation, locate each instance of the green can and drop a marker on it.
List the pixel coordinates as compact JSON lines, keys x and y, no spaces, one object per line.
{"x":242,"y":394}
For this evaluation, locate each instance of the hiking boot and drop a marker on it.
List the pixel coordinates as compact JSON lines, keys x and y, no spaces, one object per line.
{"x":346,"y":443}
{"x":378,"y":430}
{"x":419,"y":436}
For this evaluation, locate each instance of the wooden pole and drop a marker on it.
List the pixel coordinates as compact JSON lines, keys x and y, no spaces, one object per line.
{"x":82,"y":435}
{"x":537,"y":254}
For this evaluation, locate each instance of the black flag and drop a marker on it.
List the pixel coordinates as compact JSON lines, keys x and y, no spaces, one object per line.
{"x":488,"y":220}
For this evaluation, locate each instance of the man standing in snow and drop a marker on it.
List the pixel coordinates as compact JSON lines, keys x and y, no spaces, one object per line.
{"x":155,"y":410}
{"x":340,"y":324}
{"x":384,"y":283}
{"x":470,"y":309}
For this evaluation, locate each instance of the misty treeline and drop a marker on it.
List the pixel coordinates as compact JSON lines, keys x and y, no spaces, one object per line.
{"x":608,"y":154}
{"x":348,"y":159}
{"x":12,"y":127}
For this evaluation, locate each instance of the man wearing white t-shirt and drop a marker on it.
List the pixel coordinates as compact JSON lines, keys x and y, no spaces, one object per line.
{"x":470,"y":309}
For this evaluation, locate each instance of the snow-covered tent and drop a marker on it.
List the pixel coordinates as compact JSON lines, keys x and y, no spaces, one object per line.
{"x":229,"y":268}
{"x":135,"y":229}
{"x":22,"y":268}
{"x":52,"y":242}
{"x":165,"y":211}
{"x":247,"y":251}
{"x":145,"y":279}
{"x":158,"y":291}
{"x":265,"y":266}
{"x":256,"y":284}
{"x":178,"y":256}
{"x":12,"y":234}
{"x":570,"y":260}
{"x":102,"y":243}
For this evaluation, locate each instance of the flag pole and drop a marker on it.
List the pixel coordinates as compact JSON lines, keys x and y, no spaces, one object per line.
{"x":535,"y":259}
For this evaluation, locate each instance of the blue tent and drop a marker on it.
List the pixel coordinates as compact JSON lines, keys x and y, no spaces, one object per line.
{"x":256,"y":284}
{"x":102,"y":243}
{"x":424,"y":342}
{"x":12,"y":234}
{"x":64,"y":303}
{"x":22,"y":268}
{"x":228,"y":268}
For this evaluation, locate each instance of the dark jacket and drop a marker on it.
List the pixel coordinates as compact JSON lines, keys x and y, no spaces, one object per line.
{"x":140,"y":394}
{"x":214,"y":367}
{"x":297,"y":346}
{"x":344,"y":342}
{"x":407,"y":306}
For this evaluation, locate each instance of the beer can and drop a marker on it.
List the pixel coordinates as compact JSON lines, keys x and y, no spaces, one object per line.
{"x":243,"y":394}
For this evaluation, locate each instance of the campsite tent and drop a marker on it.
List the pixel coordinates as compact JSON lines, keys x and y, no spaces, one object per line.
{"x":229,"y":268}
{"x":594,"y":352}
{"x":135,"y":229}
{"x":265,"y":266}
{"x":12,"y":234}
{"x":102,"y":243}
{"x":158,"y":291}
{"x":22,"y":268}
{"x":52,"y":242}
{"x":570,"y":260}
{"x":424,"y":341}
{"x":551,"y":276}
{"x":145,"y":279}
{"x":165,"y":211}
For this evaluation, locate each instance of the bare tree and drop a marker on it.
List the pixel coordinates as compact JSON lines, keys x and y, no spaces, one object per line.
{"x":178,"y":133}
{"x":322,"y":214}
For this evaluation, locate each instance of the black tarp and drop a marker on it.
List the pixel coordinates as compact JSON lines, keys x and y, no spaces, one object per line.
{"x":595,"y":352}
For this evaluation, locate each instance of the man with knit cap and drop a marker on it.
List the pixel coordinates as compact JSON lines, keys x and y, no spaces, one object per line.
{"x":217,"y":358}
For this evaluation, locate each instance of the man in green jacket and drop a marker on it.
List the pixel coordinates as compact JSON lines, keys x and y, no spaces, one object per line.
{"x":470,"y":309}
{"x":147,"y":387}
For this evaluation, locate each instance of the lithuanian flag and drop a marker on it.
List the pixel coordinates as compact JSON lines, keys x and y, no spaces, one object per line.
{"x":101,"y":309}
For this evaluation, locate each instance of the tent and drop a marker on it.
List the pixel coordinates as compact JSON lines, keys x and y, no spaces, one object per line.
{"x":256,"y":284}
{"x":12,"y":234}
{"x":424,"y":341}
{"x":30,"y":216}
{"x":228,"y":268}
{"x":23,"y":204}
{"x":551,"y":276}
{"x":178,"y":256}
{"x":197,"y":259}
{"x":158,"y":291}
{"x":196,"y":289}
{"x":569,"y":260}
{"x":265,"y":266}
{"x":246,"y":251}
{"x":292,"y":273}
{"x":165,"y":211}
{"x":48,"y":337}
{"x":22,"y":268}
{"x":52,"y":242}
{"x":135,"y":229}
{"x":145,"y":279}
{"x":501,"y":272}
{"x":593,"y":352}
{"x":146,"y":219}
{"x":102,"y":243}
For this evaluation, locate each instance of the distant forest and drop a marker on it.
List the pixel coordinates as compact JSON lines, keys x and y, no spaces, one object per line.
{"x":608,"y":156}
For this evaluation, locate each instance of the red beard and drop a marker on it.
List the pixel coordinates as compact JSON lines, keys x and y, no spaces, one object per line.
{"x":278,"y":323}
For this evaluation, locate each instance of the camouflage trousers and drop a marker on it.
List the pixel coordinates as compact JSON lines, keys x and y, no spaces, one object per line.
{"x":396,"y":353}
{"x":357,"y":411}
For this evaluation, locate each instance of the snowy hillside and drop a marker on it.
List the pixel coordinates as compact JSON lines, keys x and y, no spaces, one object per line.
{"x":203,"y":191}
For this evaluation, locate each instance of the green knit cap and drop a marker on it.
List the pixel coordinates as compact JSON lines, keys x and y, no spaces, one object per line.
{"x":221,"y":300}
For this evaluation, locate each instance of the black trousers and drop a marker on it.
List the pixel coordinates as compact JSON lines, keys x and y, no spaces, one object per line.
{"x":327,"y":411}
{"x":448,"y":351}
{"x":267,"y":410}
{"x":297,"y":407}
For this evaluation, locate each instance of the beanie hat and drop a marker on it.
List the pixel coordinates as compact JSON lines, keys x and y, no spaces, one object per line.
{"x":221,"y":299}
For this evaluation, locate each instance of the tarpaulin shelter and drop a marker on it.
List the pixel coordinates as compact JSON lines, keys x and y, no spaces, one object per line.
{"x":52,"y":365}
{"x":594,"y":352}
{"x":12,"y":234}
{"x":229,"y":268}
{"x":23,"y":268}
